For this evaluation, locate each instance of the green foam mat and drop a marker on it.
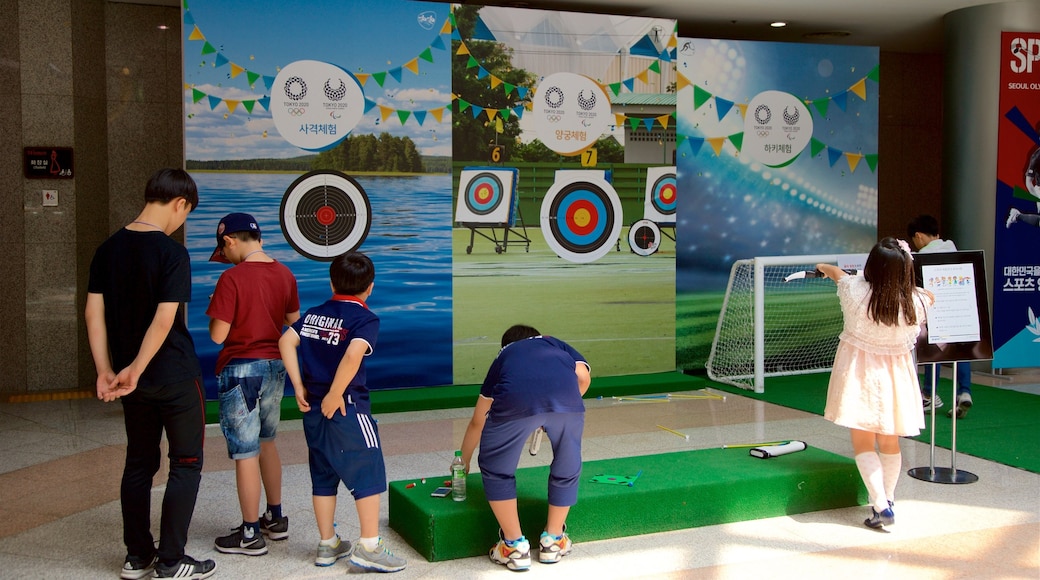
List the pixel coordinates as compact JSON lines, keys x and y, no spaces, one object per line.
{"x":673,"y":491}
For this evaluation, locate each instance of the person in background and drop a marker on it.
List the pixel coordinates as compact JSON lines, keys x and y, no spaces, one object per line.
{"x":923,"y":233}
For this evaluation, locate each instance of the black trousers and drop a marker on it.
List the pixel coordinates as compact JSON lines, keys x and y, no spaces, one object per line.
{"x":179,"y":410}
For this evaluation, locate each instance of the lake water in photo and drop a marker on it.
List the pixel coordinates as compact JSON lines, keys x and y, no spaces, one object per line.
{"x":409,"y":241}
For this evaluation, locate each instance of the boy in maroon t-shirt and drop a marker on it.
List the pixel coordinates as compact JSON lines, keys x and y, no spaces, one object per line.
{"x":252,"y":302}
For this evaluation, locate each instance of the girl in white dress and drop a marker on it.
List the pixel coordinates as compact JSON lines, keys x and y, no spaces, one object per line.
{"x":873,"y":388}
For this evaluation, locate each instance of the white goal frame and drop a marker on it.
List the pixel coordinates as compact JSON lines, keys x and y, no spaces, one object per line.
{"x":756,"y":379}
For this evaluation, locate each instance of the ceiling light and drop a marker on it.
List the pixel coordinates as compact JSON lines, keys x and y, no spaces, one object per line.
{"x":778,"y":24}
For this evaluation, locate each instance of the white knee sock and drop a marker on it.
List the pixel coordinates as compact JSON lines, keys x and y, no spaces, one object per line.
{"x":873,"y":477}
{"x":891,"y":466}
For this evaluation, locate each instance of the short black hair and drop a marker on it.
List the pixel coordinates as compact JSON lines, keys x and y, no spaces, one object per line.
{"x":518,"y":332}
{"x":166,"y":185}
{"x":351,"y":273}
{"x":245,"y":236}
{"x":923,"y":223}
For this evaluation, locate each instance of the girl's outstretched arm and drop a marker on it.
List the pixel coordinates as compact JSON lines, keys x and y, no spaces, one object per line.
{"x":831,"y":271}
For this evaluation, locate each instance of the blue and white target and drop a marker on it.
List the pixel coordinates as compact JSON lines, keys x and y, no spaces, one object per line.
{"x":581,"y":216}
{"x":324,"y":214}
{"x":486,"y":195}
{"x":661,"y":195}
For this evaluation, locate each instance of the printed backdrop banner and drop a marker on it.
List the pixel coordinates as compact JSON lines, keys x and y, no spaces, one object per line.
{"x":776,"y":156}
{"x":1016,"y":269}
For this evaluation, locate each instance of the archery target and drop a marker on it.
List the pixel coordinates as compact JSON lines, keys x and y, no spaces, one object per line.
{"x":661,"y":195}
{"x":325,"y":214}
{"x":581,"y":216}
{"x":644,"y":237}
{"x":486,"y":195}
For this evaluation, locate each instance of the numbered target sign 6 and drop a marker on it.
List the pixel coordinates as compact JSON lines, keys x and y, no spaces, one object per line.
{"x":315,"y":104}
{"x":581,"y":216}
{"x":571,"y":111}
{"x":486,"y":195}
{"x":325,"y":214}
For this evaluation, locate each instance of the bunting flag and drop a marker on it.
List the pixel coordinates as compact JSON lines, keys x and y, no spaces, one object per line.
{"x":385,"y":112}
{"x":691,"y":145}
{"x":723,"y":106}
{"x":251,"y":77}
{"x":494,"y":82}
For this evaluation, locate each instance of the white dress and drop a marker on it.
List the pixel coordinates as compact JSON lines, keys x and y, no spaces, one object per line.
{"x":874,"y":385}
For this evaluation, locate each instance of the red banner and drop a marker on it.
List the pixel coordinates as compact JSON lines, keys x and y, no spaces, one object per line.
{"x":1016,"y":261}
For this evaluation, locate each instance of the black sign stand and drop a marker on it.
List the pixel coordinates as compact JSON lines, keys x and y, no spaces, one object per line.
{"x":981,"y":349}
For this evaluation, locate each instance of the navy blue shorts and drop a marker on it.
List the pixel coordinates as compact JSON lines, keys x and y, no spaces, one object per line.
{"x":501,"y":444}
{"x":344,"y":448}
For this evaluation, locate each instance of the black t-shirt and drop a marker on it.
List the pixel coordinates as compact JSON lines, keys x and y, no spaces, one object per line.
{"x":135,"y":271}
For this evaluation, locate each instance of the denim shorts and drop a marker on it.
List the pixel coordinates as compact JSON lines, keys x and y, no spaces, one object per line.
{"x":250,"y":395}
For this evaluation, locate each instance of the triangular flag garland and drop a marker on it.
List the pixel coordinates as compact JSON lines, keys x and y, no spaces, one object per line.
{"x":690,"y":145}
{"x":723,"y":106}
{"x":385,"y":112}
{"x":251,"y":76}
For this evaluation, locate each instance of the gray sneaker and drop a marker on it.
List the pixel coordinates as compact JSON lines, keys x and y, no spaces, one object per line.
{"x":380,"y":560}
{"x":327,"y":555}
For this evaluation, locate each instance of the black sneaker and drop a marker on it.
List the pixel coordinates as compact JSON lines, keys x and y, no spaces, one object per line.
{"x":137,"y":568}
{"x":242,"y":540}
{"x":274,"y":528}
{"x":878,"y":520}
{"x":188,"y":567}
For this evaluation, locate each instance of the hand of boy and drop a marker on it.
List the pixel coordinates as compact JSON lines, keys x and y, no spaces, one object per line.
{"x":330,"y":403}
{"x":301,"y":400}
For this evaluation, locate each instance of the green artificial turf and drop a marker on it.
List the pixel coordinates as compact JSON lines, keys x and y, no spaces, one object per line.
{"x":672,"y":491}
{"x":1001,"y":426}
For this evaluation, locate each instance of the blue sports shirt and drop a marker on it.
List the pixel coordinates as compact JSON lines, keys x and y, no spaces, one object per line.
{"x":533,"y":376}
{"x":325,"y":331}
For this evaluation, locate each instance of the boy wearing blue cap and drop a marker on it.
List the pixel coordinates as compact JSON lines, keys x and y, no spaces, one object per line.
{"x":251,"y":304}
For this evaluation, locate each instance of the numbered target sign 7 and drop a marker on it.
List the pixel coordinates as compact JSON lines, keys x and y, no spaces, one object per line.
{"x":316,"y":104}
{"x":571,"y":111}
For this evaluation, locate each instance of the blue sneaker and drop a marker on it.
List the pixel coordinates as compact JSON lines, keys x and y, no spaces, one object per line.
{"x":879,"y":520}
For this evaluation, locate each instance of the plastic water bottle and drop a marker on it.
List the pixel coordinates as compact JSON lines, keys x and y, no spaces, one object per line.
{"x":458,"y":478}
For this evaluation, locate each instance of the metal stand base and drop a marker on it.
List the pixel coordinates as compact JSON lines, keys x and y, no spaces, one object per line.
{"x":942,"y":475}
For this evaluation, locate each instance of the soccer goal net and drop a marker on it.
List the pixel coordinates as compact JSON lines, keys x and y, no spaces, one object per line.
{"x":772,"y":327}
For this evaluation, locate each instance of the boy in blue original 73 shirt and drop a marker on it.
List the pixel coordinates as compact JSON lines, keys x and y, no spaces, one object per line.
{"x":324,"y":354}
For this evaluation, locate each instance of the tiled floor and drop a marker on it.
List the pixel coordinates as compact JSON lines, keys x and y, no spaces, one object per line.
{"x":60,"y":465}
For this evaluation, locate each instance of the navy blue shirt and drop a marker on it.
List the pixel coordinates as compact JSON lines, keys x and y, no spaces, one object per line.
{"x":325,"y":331}
{"x":533,"y":376}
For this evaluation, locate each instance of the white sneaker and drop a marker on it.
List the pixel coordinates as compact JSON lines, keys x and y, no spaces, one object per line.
{"x":928,"y":403}
{"x":1012,"y":218}
{"x":963,"y":404}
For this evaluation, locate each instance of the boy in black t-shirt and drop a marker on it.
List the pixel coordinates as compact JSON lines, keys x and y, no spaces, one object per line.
{"x":144,"y":356}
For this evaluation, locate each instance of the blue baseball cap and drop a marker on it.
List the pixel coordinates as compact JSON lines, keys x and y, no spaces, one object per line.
{"x":230,"y":224}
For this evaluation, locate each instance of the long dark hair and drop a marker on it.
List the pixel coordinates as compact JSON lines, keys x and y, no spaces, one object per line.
{"x":890,"y":273}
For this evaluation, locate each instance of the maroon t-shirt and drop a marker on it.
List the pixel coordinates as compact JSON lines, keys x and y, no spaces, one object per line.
{"x":254,"y":298}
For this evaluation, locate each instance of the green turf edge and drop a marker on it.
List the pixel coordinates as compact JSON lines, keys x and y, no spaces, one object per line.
{"x":677,"y":490}
{"x":462,"y":396}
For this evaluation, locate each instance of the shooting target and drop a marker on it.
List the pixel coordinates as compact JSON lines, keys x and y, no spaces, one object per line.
{"x":661,"y":195}
{"x":581,"y":216}
{"x":325,"y":214}
{"x":486,"y":195}
{"x":644,"y":237}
